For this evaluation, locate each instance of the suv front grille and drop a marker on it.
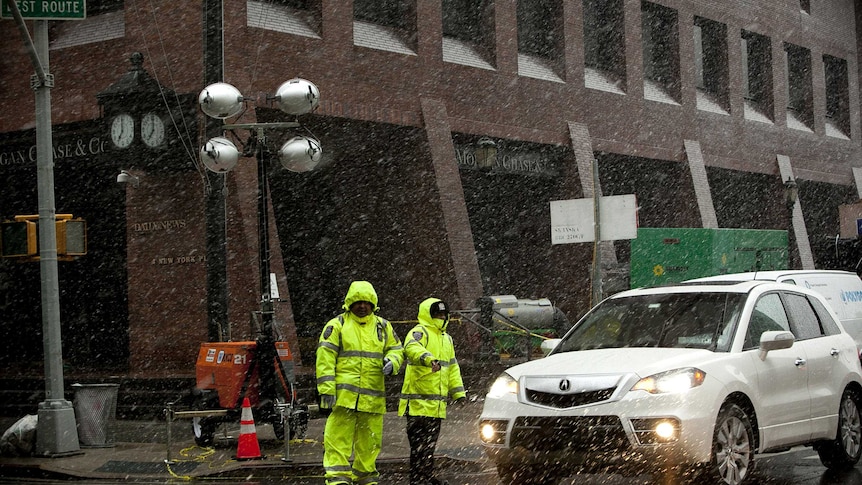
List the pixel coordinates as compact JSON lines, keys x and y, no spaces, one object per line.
{"x":568,"y":400}
{"x":578,"y":433}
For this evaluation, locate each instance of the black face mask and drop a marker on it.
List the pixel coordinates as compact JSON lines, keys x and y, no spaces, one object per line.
{"x":445,"y":319}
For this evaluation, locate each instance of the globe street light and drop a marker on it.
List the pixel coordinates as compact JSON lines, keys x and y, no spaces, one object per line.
{"x":299,"y":154}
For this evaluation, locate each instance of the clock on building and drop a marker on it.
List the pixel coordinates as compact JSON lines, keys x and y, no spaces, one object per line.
{"x":135,"y":113}
{"x":152,"y":130}
{"x":123,"y":130}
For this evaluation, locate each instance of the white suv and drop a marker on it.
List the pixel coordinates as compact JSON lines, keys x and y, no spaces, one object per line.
{"x":700,"y":375}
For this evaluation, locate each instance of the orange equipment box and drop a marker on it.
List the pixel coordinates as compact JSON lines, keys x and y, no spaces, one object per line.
{"x":223,"y":366}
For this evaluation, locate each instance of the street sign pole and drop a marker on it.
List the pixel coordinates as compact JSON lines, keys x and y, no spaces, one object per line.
{"x":597,"y":246}
{"x":56,"y":428}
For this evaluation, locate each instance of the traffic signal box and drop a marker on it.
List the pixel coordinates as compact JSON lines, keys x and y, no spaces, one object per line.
{"x":19,"y":238}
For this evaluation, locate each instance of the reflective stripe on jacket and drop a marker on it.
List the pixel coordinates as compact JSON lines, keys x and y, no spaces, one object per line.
{"x":424,"y":392}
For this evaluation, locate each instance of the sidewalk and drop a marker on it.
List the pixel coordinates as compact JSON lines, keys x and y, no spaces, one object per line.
{"x":140,"y":451}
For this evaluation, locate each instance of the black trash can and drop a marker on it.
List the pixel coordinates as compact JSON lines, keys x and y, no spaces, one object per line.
{"x":96,"y":413}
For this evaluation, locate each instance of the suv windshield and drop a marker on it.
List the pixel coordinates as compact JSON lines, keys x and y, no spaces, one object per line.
{"x":676,"y":320}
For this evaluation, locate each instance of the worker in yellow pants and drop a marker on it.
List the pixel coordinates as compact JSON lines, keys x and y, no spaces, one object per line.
{"x":346,"y":430}
{"x":356,"y":351}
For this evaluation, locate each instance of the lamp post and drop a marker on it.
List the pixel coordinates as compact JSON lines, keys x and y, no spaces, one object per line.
{"x":299,"y":154}
{"x":57,"y":427}
{"x":791,"y":195}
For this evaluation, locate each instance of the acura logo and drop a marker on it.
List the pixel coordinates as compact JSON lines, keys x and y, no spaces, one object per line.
{"x":564,"y":385}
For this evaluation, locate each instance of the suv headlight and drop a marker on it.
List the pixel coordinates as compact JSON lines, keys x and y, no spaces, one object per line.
{"x":672,"y":381}
{"x":505,"y":384}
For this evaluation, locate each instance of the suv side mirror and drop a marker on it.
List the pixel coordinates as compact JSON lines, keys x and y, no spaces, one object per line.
{"x":775,"y":340}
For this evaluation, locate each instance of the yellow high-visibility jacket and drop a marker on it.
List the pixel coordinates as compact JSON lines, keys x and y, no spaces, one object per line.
{"x":350,"y":355}
{"x":424,"y":392}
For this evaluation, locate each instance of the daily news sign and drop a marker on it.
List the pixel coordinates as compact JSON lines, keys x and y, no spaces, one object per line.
{"x":47,"y":9}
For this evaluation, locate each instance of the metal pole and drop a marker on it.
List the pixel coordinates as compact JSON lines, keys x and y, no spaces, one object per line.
{"x":216,"y":191}
{"x":169,"y":420}
{"x":597,"y":263}
{"x":57,"y":429}
{"x":265,"y":341}
{"x":790,"y":234}
{"x":284,"y":409}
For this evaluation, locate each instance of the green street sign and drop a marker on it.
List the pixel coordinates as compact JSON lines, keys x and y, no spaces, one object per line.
{"x":47,"y":9}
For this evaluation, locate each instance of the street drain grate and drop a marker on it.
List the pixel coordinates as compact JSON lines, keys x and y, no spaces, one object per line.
{"x":146,"y":468}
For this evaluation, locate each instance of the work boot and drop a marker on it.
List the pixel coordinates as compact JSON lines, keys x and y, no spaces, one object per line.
{"x":437,"y":481}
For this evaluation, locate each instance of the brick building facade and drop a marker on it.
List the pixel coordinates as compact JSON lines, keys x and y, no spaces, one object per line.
{"x":701,"y":109}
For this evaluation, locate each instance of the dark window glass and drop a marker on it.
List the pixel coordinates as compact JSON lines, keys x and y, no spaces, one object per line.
{"x":805,"y":324}
{"x":96,"y":7}
{"x":391,"y":13}
{"x":711,"y":58}
{"x":768,"y":315}
{"x":466,"y":20}
{"x":757,"y":71}
{"x":837,"y":93}
{"x":661,"y":46}
{"x":675,"y":320}
{"x":799,"y":89}
{"x":297,"y":4}
{"x":540,"y":27}
{"x":827,"y":323}
{"x":604,"y":36}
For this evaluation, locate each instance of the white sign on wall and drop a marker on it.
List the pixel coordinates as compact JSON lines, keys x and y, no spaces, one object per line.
{"x":573,"y":220}
{"x":273,"y":287}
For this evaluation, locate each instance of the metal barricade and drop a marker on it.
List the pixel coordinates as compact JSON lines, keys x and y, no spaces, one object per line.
{"x":170,"y":415}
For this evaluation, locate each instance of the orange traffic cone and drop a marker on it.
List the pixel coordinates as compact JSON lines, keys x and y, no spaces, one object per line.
{"x":248,"y":448}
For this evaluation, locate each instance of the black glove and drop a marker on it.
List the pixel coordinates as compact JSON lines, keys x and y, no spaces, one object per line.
{"x":460,"y":402}
{"x":327,"y":401}
{"x":387,"y":367}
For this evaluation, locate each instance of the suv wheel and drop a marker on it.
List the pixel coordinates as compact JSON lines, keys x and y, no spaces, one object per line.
{"x":732,"y":446}
{"x":844,"y":451}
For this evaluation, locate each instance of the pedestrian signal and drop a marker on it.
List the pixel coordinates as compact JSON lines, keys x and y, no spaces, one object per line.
{"x":18,"y":239}
{"x":71,"y":237}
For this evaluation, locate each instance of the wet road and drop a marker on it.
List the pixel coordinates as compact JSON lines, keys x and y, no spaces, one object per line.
{"x":799,"y":466}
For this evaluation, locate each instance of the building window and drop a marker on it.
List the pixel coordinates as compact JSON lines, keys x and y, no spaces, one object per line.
{"x":660,"y":53}
{"x":385,"y":25}
{"x":711,"y":71}
{"x":98,"y":7}
{"x":396,"y":14}
{"x":837,"y":97}
{"x":540,"y":39}
{"x":800,"y":104}
{"x":297,"y":17}
{"x":468,"y":32}
{"x":604,"y":45}
{"x":757,"y":76}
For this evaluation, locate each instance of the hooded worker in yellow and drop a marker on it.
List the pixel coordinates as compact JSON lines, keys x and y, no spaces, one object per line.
{"x":355,"y":351}
{"x":432,"y":377}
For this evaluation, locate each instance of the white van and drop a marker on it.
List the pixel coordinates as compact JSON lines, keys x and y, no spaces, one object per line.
{"x":842,"y":289}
